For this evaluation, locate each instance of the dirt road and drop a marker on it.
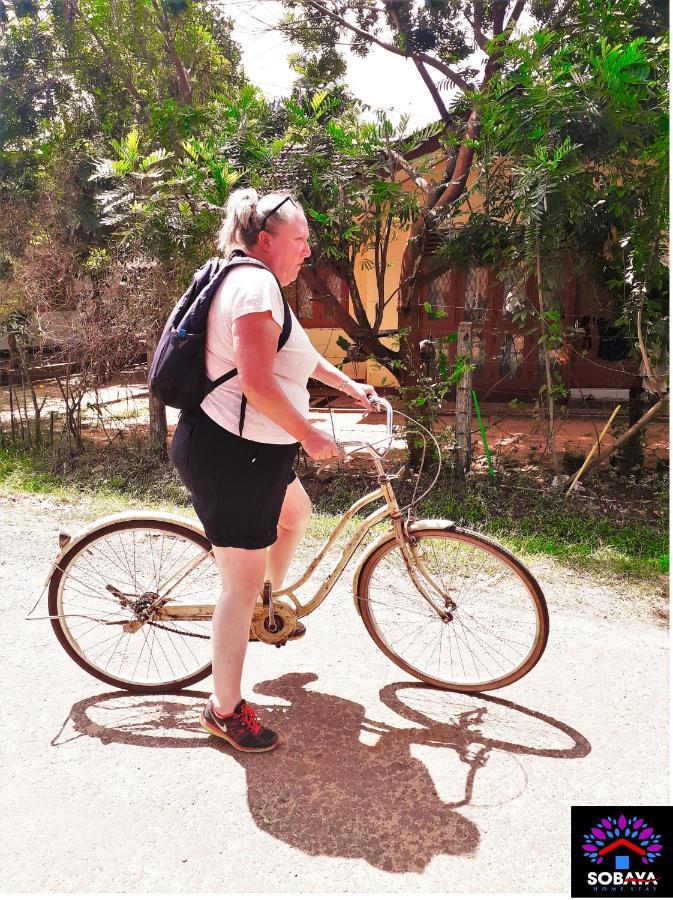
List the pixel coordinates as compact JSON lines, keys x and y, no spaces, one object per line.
{"x":110,"y":792}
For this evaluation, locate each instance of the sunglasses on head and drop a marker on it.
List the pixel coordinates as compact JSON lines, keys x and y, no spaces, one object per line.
{"x":274,"y":210}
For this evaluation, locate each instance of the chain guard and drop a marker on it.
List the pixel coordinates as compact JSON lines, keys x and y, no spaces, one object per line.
{"x":286,"y":622}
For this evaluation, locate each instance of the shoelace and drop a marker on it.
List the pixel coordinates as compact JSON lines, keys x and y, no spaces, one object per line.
{"x":249,"y":718}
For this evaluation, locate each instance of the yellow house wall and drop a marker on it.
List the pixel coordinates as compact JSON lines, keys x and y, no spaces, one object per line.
{"x":324,"y":339}
{"x":325,"y":342}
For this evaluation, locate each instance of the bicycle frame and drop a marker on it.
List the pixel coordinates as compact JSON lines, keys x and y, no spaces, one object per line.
{"x":389,"y":510}
{"x":379,"y":515}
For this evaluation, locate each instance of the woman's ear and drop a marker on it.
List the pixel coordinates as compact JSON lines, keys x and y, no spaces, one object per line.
{"x":263,"y":240}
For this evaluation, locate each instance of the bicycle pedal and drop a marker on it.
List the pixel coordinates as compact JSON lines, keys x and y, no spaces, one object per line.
{"x":298,"y":633}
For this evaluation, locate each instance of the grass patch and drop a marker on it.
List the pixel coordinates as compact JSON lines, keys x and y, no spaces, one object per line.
{"x":589,"y":532}
{"x":624,"y":533}
{"x":102,"y":480}
{"x":19,"y":471}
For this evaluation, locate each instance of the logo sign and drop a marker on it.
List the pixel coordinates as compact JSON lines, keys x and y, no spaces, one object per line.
{"x":621,"y":851}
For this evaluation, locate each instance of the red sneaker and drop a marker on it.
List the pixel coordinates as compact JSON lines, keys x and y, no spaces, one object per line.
{"x":242,"y":729}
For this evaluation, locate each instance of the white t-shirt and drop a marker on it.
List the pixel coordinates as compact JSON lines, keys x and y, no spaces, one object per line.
{"x":250,"y":289}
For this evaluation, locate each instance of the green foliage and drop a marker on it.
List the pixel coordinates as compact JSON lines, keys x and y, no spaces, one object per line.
{"x":527,"y":520}
{"x":103,"y":96}
{"x":32,"y":90}
{"x":432,"y":26}
{"x":481,"y":240}
{"x":573,"y":161}
{"x":149,"y":100}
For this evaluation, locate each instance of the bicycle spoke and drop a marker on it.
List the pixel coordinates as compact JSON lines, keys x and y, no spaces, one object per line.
{"x":136,"y":559}
{"x":491,"y":622}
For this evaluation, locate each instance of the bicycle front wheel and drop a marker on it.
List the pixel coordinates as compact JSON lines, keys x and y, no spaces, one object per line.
{"x":479,"y":623}
{"x":112,"y":593}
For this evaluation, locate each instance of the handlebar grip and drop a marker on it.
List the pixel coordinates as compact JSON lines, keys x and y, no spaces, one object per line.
{"x":385,"y":406}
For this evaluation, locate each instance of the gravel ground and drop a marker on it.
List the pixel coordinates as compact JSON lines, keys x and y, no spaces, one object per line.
{"x":105,"y":791}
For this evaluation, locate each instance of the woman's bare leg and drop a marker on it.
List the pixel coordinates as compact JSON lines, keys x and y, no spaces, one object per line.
{"x":294,"y":517}
{"x":242,"y":576}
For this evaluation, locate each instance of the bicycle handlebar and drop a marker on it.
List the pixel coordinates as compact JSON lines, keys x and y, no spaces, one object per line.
{"x":380,"y":405}
{"x":388,"y":409}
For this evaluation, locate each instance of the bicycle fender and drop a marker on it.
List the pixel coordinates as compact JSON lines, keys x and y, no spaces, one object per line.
{"x":133,"y":516}
{"x":417,"y":525}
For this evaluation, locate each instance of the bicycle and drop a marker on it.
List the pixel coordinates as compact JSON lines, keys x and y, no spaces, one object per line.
{"x":130,"y":596}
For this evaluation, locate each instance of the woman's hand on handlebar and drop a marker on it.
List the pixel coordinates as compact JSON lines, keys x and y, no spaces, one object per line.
{"x":319,"y":445}
{"x":364,"y":394}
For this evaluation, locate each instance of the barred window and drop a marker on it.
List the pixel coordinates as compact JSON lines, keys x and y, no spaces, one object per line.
{"x":511,"y":354}
{"x":513,"y":296}
{"x":335,"y":285}
{"x":311,"y":309}
{"x":439,"y":291}
{"x":478,"y":352}
{"x":476,"y":293}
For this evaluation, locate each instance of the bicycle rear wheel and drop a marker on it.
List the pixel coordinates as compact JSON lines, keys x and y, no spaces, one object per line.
{"x":492,"y":624}
{"x":109,"y":592}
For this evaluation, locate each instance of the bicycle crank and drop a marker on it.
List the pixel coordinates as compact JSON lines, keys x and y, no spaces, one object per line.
{"x":274,"y":630}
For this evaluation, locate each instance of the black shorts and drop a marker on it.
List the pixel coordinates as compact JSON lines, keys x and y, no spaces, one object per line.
{"x":237,"y":486}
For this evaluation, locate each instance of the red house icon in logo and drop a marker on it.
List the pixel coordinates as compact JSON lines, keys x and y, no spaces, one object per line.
{"x":622,"y":862}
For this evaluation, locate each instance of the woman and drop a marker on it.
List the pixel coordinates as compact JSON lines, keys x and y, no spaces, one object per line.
{"x":253,"y":507}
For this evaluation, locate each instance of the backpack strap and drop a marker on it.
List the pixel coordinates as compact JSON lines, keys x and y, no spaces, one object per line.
{"x":239,"y":258}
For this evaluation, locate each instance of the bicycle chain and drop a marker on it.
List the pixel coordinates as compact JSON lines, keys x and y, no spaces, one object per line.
{"x":205,"y":637}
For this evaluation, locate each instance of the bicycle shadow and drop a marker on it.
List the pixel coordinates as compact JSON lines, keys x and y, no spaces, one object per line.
{"x":323,"y":790}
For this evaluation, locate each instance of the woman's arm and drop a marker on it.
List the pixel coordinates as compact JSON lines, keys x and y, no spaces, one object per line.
{"x":255,"y":337}
{"x":330,"y":375}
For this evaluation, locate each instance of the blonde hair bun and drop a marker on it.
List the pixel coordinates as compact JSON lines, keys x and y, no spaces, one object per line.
{"x":243,"y":218}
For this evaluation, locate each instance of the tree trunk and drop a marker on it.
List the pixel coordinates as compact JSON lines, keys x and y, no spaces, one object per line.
{"x":409,"y":377}
{"x":158,"y":424}
{"x":12,"y":426}
{"x":463,"y":419}
{"x":28,"y":433}
{"x":551,"y":427}
{"x":182,"y":78}
{"x":632,"y":455}
{"x":37,"y":407}
{"x":354,"y":329}
{"x":640,"y":424}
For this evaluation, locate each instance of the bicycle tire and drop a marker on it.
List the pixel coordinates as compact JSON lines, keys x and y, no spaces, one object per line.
{"x":64,"y":632}
{"x":369,"y":608}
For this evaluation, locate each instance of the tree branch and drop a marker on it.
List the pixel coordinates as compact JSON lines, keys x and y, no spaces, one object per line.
{"x":377,"y":250}
{"x":381,"y":302}
{"x":112,"y":65}
{"x":394,"y":19}
{"x":499,"y":10}
{"x":658,"y":407}
{"x":449,"y":169}
{"x":463,"y":164}
{"x":515,"y":15}
{"x":358,"y":306}
{"x":184,"y":87}
{"x":453,"y":76}
{"x":479,"y":37}
{"x":560,"y":15}
{"x":478,"y":20}
{"x":434,"y":93}
{"x":397,"y":158}
{"x":355,"y":331}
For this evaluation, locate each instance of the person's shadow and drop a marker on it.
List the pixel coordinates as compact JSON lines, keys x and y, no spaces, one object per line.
{"x":324,"y":791}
